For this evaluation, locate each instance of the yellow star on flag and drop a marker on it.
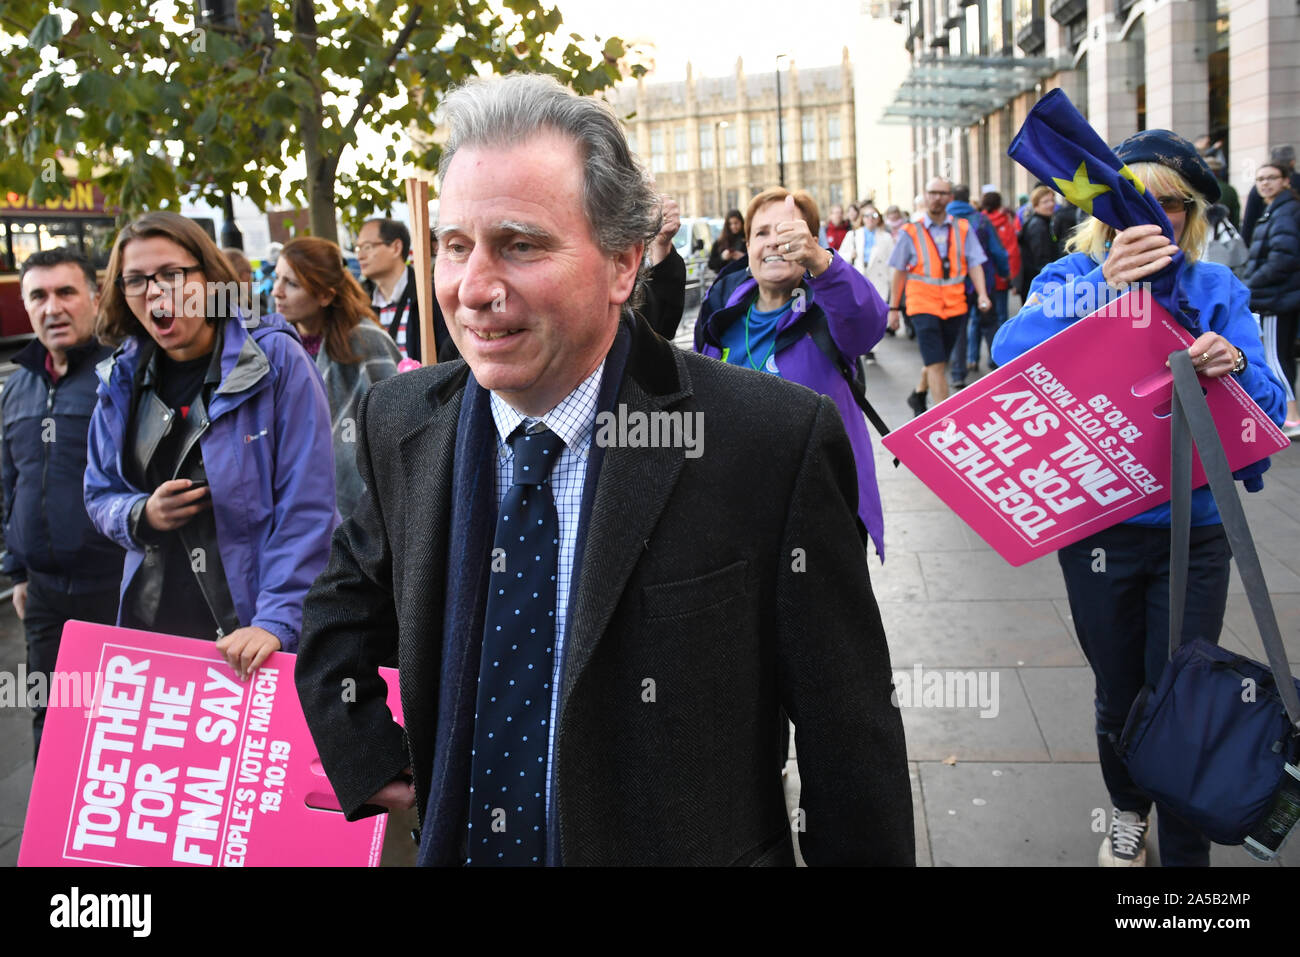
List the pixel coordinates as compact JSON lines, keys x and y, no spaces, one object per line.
{"x":1080,"y":190}
{"x":1131,"y":176}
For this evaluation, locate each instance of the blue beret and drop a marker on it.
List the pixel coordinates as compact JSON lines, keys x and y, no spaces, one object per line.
{"x":1169,"y":149}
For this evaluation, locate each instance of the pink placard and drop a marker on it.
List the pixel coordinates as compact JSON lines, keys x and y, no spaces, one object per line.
{"x":155,"y":754}
{"x":1073,"y":436}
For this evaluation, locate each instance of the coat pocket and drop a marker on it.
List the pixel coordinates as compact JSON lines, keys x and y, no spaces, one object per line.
{"x":695,"y":594}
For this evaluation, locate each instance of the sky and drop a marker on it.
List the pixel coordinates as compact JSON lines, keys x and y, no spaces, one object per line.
{"x":711,"y":34}
{"x":707,"y":33}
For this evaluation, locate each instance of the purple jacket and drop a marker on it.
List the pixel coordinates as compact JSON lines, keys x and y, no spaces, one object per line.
{"x":270,"y":464}
{"x":855,"y":314}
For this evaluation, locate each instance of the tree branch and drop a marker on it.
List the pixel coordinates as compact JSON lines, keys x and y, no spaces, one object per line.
{"x":368,"y":95}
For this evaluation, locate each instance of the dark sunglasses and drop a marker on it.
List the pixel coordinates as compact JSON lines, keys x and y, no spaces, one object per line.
{"x":1175,"y":204}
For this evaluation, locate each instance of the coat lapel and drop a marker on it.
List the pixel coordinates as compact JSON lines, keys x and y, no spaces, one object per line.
{"x":427,"y":463}
{"x":633,"y":486}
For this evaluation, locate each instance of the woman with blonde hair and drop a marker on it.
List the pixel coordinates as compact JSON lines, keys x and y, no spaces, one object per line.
{"x":1121,"y":610}
{"x":314,"y":291}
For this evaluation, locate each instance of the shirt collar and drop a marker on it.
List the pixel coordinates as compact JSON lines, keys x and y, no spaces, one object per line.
{"x":931,"y":223}
{"x":572,"y":419}
{"x":379,"y":299}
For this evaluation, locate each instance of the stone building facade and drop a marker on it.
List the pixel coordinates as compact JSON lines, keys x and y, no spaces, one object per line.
{"x":1226,"y":68}
{"x":713,"y":143}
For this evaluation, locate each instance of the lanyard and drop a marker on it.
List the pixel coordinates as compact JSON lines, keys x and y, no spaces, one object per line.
{"x":749,"y":356}
{"x":944,"y":263}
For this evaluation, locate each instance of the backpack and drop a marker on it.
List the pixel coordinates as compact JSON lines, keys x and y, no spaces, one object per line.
{"x":815,"y":327}
{"x":1006,"y":232}
{"x":1225,"y":244}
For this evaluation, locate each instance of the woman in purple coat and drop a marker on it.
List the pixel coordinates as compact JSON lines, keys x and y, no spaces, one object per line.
{"x":762,"y":311}
{"x":209,"y":456}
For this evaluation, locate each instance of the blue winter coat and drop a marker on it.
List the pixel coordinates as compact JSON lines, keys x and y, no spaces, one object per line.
{"x":1273,"y":270}
{"x":269,"y":461}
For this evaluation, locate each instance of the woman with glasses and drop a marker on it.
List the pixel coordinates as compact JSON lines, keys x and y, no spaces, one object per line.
{"x":326,"y":305}
{"x":1273,"y":274}
{"x":1118,"y":579}
{"x":867,"y":248}
{"x":209,"y":457}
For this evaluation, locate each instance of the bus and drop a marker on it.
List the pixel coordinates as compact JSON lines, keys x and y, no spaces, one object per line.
{"x":79,"y":219}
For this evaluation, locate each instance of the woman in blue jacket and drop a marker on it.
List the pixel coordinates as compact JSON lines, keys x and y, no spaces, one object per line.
{"x":209,"y":458}
{"x":1120,"y":605}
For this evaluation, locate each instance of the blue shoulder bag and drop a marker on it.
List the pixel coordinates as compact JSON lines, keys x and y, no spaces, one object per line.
{"x":1217,"y":741}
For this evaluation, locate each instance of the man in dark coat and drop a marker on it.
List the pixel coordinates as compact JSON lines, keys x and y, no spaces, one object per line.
{"x":382,"y":248}
{"x":61,"y":566}
{"x":702,"y":574}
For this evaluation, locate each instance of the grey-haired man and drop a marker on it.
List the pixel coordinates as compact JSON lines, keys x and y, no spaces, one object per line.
{"x":596,"y":626}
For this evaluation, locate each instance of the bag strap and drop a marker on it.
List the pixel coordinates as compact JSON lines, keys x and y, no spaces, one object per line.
{"x":821,"y":335}
{"x":1193,"y":424}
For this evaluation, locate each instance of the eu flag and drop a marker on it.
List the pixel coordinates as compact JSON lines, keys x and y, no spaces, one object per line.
{"x":1058,"y":146}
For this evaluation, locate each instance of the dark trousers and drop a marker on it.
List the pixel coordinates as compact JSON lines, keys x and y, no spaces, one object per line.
{"x":48,"y":610}
{"x":1288,"y":324}
{"x":978,"y":326}
{"x":1121,"y":614}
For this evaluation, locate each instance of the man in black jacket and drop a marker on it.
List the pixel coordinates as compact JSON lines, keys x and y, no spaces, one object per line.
{"x":599,"y":680}
{"x":61,"y":566}
{"x":665,"y":288}
{"x":382,"y":248}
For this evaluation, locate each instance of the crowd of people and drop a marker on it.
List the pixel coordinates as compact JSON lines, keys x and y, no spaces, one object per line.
{"x":273,"y":483}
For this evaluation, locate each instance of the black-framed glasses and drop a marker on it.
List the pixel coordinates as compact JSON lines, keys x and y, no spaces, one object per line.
{"x":136,"y":283}
{"x":1175,"y":204}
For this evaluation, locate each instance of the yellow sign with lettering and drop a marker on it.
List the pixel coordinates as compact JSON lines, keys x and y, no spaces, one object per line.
{"x":81,"y":200}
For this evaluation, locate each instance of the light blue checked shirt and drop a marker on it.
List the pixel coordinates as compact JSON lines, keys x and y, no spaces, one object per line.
{"x":573,"y":420}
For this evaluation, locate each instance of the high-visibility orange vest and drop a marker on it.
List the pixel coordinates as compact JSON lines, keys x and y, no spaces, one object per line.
{"x":929,"y":291}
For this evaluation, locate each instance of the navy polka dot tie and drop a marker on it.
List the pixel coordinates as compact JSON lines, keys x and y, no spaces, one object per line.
{"x":507,"y":816}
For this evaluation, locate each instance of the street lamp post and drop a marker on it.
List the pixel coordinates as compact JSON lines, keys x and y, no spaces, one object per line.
{"x":718,"y":126}
{"x":780,"y":125}
{"x":231,"y":237}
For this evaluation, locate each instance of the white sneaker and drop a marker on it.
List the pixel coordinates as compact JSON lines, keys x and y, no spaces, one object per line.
{"x":1126,"y":845}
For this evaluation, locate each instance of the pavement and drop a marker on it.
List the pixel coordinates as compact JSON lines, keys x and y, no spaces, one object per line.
{"x":1019,"y":787}
{"x":1022,"y":787}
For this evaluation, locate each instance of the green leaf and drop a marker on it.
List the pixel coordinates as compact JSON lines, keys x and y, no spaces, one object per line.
{"x":279,"y":104}
{"x":93,"y":89}
{"x":207,"y":120}
{"x":32,"y":144}
{"x":47,"y":32}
